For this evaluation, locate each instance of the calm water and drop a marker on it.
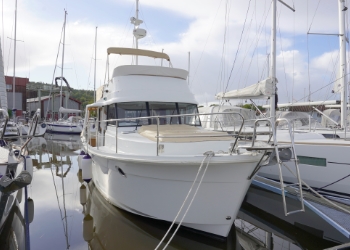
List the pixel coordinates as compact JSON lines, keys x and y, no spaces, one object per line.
{"x":62,"y":222}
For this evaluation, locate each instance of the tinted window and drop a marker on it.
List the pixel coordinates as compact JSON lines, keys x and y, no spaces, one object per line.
{"x":111,"y":113}
{"x":132,"y":110}
{"x":188,"y":108}
{"x":163,"y":109}
{"x":144,"y":109}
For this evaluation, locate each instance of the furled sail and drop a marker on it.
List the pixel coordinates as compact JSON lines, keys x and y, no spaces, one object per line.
{"x":262,"y":89}
{"x":3,"y":94}
{"x":64,"y":110}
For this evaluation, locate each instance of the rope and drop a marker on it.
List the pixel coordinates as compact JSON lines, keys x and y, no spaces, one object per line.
{"x":334,"y":182}
{"x":208,"y":154}
{"x":26,"y":212}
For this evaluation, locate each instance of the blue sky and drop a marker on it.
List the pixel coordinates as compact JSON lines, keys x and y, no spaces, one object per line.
{"x":179,"y":27}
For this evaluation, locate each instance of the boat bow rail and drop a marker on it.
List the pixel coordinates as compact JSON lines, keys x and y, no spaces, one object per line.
{"x":158,"y":134}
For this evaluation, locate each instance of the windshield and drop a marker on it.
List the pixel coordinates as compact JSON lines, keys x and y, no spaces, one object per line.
{"x":145,"y":109}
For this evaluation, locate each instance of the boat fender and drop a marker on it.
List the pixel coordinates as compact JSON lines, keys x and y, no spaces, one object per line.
{"x":30,"y":210}
{"x":80,"y":156}
{"x":86,"y":165}
{"x":29,"y":165}
{"x":88,"y":228}
{"x":82,"y":194}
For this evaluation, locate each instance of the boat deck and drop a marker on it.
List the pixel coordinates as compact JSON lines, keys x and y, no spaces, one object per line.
{"x":333,"y":215}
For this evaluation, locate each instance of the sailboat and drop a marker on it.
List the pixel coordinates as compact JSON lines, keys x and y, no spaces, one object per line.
{"x":73,"y":124}
{"x":323,"y":163}
{"x":152,"y":157}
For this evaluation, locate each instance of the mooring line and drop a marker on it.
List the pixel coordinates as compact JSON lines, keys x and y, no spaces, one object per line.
{"x":208,"y":154}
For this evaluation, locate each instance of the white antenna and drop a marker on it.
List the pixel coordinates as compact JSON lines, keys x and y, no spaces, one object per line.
{"x":138,"y":33}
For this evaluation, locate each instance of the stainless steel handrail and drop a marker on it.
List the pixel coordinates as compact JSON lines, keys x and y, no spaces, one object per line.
{"x":86,"y":135}
{"x":36,"y":118}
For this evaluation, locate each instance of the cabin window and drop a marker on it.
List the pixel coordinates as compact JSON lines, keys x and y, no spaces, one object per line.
{"x":111,"y":114}
{"x":132,"y":110}
{"x":188,"y":108}
{"x":164,"y":109}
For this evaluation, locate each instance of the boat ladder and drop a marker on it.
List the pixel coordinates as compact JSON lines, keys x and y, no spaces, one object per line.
{"x":278,"y":154}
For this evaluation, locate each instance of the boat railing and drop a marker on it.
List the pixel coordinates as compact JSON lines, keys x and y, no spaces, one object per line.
{"x":93,"y":137}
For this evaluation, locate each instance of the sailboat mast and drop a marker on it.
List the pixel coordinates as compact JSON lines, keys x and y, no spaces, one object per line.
{"x":62,"y":64}
{"x":95,"y":66}
{"x":273,"y":58}
{"x":342,"y":62}
{"x":137,"y":40}
{"x":14,"y":65}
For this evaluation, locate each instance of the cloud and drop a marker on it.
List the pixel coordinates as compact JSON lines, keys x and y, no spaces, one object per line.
{"x":240,"y":44}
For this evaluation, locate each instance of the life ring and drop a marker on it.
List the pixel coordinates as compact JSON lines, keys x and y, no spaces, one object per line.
{"x":43,"y":125}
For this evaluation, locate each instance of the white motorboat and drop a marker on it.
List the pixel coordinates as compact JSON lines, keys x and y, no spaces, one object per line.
{"x":147,"y":167}
{"x":150,"y":150}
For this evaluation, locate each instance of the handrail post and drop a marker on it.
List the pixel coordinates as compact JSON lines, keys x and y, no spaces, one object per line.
{"x":157,"y":136}
{"x":96,"y":133}
{"x":116,"y":136}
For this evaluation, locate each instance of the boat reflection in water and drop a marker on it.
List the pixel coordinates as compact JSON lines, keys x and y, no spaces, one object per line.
{"x":62,"y":144}
{"x":108,"y":227}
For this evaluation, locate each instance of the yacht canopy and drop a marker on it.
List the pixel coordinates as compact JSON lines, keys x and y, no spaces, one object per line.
{"x":262,"y":89}
{"x":137,"y":52}
{"x":64,"y":110}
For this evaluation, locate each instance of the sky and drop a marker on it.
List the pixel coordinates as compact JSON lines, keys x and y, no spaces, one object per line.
{"x":228,"y":41}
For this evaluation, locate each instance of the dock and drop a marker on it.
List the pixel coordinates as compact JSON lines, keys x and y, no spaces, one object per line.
{"x":328,"y":213}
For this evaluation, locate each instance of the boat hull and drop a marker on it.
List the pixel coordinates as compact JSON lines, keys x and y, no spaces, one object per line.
{"x":333,"y":176}
{"x":64,"y":128}
{"x":158,"y":190}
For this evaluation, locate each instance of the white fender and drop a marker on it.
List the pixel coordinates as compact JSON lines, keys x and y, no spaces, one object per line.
{"x":88,"y":228}
{"x":29,"y":165}
{"x":86,"y":165}
{"x":80,"y":156}
{"x":82,"y":194}
{"x":30,"y":210}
